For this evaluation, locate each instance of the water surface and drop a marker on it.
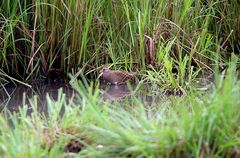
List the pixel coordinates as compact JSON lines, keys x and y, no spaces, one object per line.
{"x":12,"y":96}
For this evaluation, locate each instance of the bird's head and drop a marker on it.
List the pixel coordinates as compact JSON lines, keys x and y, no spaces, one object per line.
{"x":106,"y":70}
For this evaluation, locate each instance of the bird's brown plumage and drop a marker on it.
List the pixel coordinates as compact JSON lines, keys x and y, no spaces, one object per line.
{"x":117,"y":77}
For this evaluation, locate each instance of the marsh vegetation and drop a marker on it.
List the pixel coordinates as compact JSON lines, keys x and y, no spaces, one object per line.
{"x":185,"y":55}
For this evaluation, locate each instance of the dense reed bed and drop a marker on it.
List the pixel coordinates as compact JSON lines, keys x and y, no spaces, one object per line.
{"x":168,"y":43}
{"x":195,"y":125}
{"x":45,"y":38}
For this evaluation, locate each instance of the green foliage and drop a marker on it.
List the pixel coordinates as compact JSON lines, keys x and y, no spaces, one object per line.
{"x":44,"y":36}
{"x":167,"y":42}
{"x":195,"y":125}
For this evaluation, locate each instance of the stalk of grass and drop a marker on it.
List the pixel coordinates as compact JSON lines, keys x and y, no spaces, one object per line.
{"x":70,"y":34}
{"x":191,"y":126}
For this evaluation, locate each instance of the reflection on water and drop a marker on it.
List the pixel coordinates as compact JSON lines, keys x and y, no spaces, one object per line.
{"x":116,"y":92}
{"x":144,"y":93}
{"x":11,"y":96}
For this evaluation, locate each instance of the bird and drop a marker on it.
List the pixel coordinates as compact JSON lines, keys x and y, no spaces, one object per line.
{"x":117,"y":77}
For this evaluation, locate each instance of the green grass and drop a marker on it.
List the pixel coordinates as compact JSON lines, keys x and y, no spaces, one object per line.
{"x":194,"y":125}
{"x":169,"y":44}
{"x":45,"y":37}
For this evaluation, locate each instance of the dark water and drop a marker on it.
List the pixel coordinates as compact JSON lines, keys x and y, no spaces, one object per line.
{"x":13,"y":96}
{"x":116,"y":92}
